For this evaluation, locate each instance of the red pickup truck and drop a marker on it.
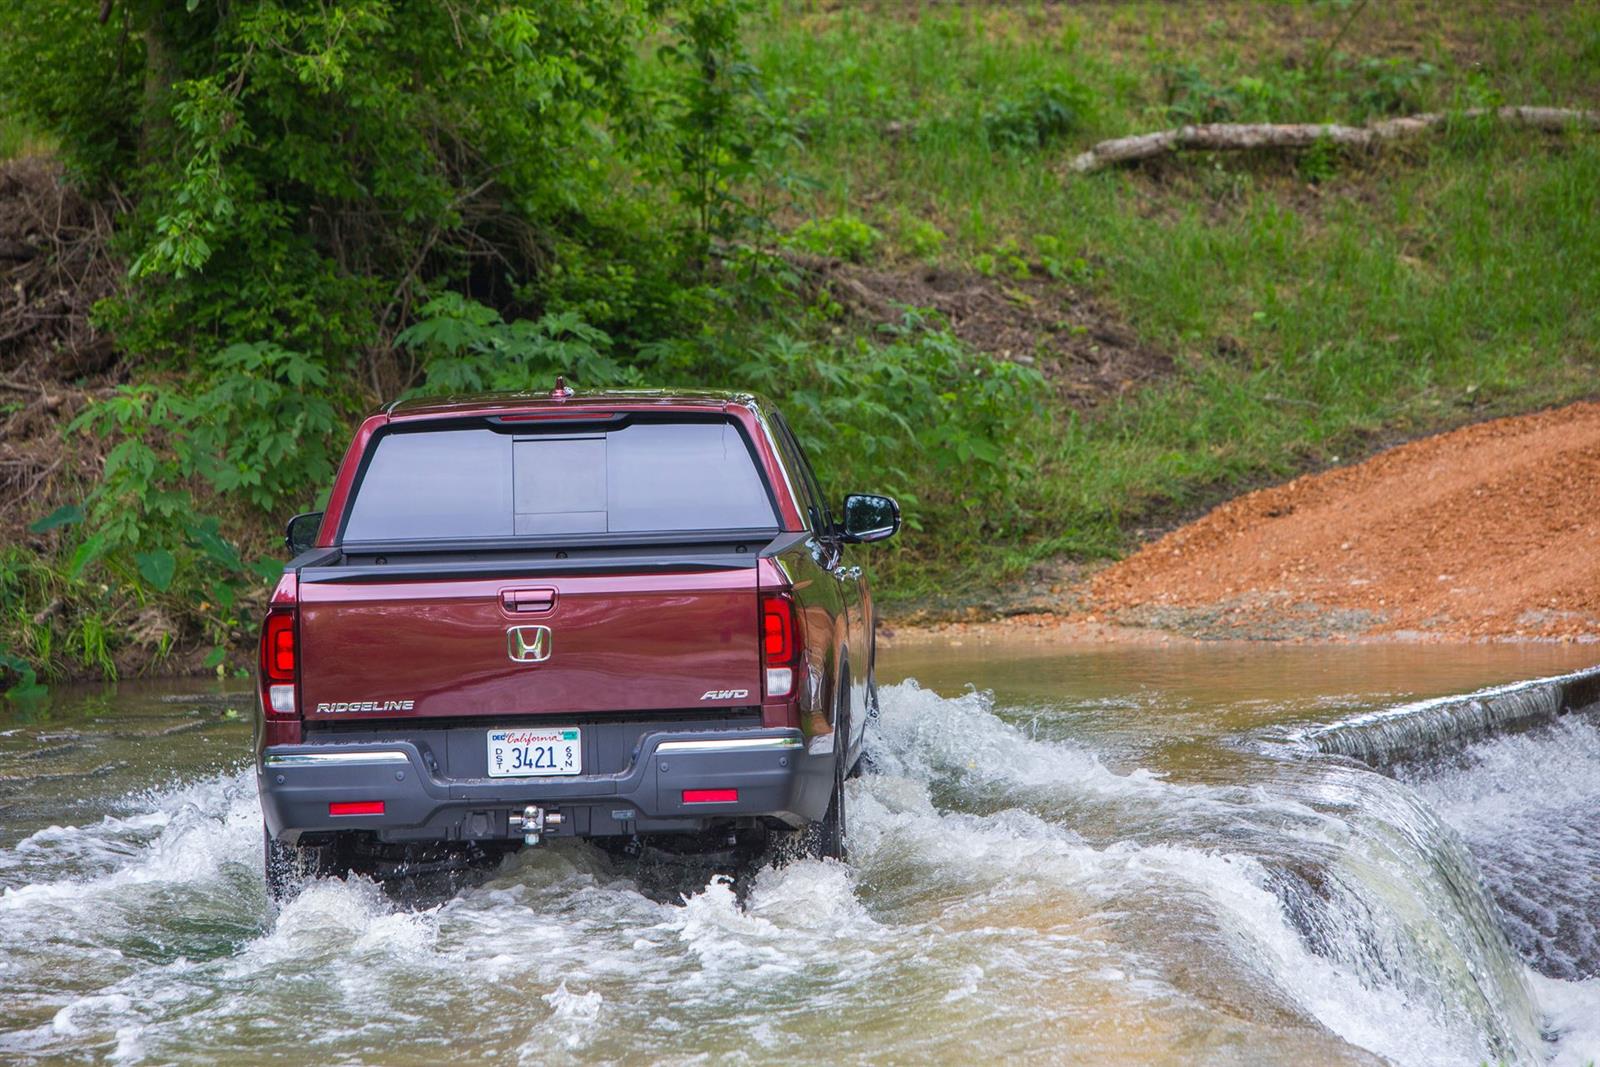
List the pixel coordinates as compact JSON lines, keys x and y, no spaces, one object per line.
{"x":523,"y":616}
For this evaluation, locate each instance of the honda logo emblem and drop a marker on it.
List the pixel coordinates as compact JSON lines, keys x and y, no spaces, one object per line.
{"x":528,"y":644}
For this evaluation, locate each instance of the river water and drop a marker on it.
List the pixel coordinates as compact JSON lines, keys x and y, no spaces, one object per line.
{"x":1146,"y":855}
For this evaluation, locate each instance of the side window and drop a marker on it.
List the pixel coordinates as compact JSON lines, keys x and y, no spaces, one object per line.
{"x":802,"y":466}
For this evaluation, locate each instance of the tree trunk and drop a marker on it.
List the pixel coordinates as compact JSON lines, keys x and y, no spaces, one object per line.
{"x":160,"y":72}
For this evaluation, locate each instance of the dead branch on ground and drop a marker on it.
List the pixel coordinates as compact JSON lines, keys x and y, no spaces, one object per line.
{"x":1238,"y":137}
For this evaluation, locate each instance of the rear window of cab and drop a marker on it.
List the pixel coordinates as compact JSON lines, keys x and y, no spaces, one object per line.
{"x":481,"y":483}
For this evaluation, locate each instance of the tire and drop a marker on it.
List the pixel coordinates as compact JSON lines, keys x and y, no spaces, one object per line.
{"x":864,"y":762}
{"x":287,"y":866}
{"x":825,"y":840}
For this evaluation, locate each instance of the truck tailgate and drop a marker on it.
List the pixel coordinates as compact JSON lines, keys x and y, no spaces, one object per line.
{"x":546,"y":645}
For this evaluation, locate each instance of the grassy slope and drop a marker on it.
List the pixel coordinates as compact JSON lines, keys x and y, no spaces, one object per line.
{"x":1435,"y":284}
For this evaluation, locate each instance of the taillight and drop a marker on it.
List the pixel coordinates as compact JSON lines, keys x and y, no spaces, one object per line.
{"x":780,"y":643}
{"x":279,"y":659}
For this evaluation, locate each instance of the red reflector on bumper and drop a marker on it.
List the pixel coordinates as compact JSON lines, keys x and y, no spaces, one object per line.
{"x":710,"y":796}
{"x":356,"y":807}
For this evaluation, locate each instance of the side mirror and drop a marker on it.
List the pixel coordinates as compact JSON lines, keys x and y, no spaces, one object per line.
{"x":301,"y":532}
{"x":869,"y":518}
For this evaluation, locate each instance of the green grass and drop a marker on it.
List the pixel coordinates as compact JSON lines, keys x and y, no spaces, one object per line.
{"x":16,"y":139}
{"x":1359,"y":299}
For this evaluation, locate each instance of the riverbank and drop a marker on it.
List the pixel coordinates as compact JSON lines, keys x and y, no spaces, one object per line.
{"x":1192,"y":327}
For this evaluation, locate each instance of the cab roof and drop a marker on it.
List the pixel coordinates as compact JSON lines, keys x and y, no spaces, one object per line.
{"x":551,"y":400}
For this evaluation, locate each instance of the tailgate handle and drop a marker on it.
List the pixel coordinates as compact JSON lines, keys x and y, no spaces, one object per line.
{"x":522,"y":601}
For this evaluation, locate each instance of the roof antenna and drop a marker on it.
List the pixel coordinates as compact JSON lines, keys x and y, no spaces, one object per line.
{"x":561,"y":391}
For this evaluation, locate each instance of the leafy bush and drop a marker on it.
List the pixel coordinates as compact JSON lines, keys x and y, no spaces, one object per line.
{"x":1340,"y":89}
{"x":1392,"y":86}
{"x":1038,"y":116}
{"x":1319,"y":162}
{"x":921,"y":416}
{"x":920,"y":237}
{"x":722,"y":134}
{"x":843,"y":235}
{"x":267,"y":429}
{"x":1191,"y":97}
{"x":466,"y":347}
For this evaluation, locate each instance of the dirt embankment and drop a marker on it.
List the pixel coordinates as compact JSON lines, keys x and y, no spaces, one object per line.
{"x":1083,"y":347}
{"x":55,"y":265}
{"x":1488,"y":531}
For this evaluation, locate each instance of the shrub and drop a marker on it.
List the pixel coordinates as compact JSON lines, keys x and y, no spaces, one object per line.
{"x":1037,"y":117}
{"x":921,"y":238}
{"x":844,"y":236}
{"x":921,"y":415}
{"x":1392,"y":86}
{"x":466,"y":347}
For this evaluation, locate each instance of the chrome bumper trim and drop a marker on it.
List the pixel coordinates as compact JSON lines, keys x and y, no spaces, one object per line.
{"x":314,"y":759}
{"x":730,"y":744}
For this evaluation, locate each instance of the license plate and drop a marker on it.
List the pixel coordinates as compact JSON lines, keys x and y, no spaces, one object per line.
{"x":535,"y":753}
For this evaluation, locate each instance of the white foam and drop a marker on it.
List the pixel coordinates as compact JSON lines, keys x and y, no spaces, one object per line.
{"x":573,"y":1016}
{"x":920,"y":734}
{"x":1572,"y":1015}
{"x":202,"y":826}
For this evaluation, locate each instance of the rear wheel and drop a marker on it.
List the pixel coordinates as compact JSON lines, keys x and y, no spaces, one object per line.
{"x":825,"y":839}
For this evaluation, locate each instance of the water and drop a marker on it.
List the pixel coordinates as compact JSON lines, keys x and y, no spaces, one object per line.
{"x":1105,"y":855}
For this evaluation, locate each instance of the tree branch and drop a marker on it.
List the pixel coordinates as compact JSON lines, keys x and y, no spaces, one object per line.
{"x":1237,"y":137}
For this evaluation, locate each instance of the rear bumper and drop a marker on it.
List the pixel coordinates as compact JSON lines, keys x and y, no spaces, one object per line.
{"x":769,"y":769}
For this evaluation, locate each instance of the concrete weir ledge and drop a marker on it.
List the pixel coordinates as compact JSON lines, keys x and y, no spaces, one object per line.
{"x":1411,"y":731}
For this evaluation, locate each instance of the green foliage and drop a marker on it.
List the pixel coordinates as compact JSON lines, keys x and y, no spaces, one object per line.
{"x":1038,"y":116}
{"x":920,"y":237}
{"x":1319,"y":162}
{"x":1059,"y":263}
{"x":17,"y":139}
{"x":50,"y":56}
{"x":25,"y":686}
{"x":1346,"y":88}
{"x":466,"y":347}
{"x":1191,"y":97}
{"x":300,"y":174}
{"x":266,"y":421}
{"x":65,"y":515}
{"x":1392,"y":86}
{"x":143,"y":499}
{"x":727,"y":133}
{"x":920,"y":415}
{"x":845,"y":236}
{"x":157,"y":567}
{"x":254,"y":428}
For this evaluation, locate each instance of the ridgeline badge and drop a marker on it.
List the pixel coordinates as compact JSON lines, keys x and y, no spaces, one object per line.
{"x":366,"y":705}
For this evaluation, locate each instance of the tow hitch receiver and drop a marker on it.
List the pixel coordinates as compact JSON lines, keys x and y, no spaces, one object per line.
{"x":534,"y":822}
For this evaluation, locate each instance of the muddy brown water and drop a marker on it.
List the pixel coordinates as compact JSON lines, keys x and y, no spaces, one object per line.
{"x":1070,"y":854}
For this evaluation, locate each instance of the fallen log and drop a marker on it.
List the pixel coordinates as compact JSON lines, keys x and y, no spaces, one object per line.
{"x":1238,"y":137}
